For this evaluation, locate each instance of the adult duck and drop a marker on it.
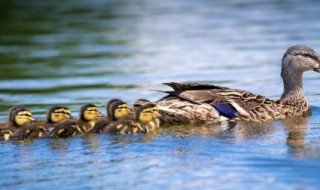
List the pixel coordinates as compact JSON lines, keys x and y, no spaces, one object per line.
{"x":192,"y":102}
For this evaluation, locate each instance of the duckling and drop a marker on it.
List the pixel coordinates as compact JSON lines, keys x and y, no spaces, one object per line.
{"x":134,"y":123}
{"x":155,"y":123}
{"x":57,"y":114}
{"x":37,"y":129}
{"x":19,"y":117}
{"x":86,"y":122}
{"x":116,"y":109}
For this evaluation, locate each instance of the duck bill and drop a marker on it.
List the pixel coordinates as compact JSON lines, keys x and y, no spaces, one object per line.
{"x":33,"y":119}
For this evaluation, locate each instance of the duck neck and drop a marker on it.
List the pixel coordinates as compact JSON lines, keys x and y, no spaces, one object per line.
{"x":293,"y":89}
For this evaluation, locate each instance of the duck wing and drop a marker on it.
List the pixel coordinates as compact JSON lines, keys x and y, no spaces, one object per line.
{"x":192,"y":86}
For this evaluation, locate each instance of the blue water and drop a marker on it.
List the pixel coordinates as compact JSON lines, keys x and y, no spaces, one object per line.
{"x":76,"y":52}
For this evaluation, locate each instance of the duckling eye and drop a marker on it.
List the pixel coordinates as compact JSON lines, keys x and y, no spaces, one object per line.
{"x":25,"y":114}
{"x":92,"y":110}
{"x":147,"y":111}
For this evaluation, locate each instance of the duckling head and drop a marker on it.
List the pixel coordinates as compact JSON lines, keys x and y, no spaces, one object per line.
{"x":19,"y":116}
{"x":147,"y":113}
{"x":139,"y":102}
{"x":57,"y":114}
{"x":156,"y":112}
{"x":298,"y":59}
{"x":117,"y":109}
{"x":89,"y":112}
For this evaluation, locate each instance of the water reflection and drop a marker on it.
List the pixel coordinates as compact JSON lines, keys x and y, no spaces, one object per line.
{"x":251,"y":130}
{"x":296,"y":128}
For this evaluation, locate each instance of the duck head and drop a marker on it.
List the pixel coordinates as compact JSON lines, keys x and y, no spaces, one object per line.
{"x":298,"y":59}
{"x":58,"y":114}
{"x":117,"y":109}
{"x":89,"y":112}
{"x":19,"y":116}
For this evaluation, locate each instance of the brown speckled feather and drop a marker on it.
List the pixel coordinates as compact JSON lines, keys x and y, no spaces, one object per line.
{"x":66,"y":129}
{"x":127,"y":125}
{"x":29,"y":132}
{"x":183,"y":105}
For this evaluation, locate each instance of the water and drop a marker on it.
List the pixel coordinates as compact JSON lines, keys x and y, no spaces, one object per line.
{"x":75,"y":52}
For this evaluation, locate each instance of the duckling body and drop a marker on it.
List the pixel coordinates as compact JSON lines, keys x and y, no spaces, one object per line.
{"x":126,"y":125}
{"x":192,"y":102}
{"x":29,"y":132}
{"x":65,"y":129}
{"x":6,"y":132}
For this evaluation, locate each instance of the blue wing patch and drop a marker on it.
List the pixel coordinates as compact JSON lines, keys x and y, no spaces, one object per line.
{"x":226,"y":110}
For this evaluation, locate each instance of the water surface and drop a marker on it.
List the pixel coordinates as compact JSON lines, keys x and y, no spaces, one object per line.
{"x":76,"y":52}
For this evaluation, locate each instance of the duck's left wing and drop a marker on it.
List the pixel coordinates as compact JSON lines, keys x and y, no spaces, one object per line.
{"x":197,"y":96}
{"x":192,"y":86}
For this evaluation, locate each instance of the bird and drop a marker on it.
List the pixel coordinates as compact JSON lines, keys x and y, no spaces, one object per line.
{"x":38,"y":128}
{"x":85,"y":123}
{"x":138,"y":122}
{"x":155,"y":123}
{"x":116,"y":109}
{"x":19,"y":117}
{"x":205,"y":103}
{"x":57,"y":114}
